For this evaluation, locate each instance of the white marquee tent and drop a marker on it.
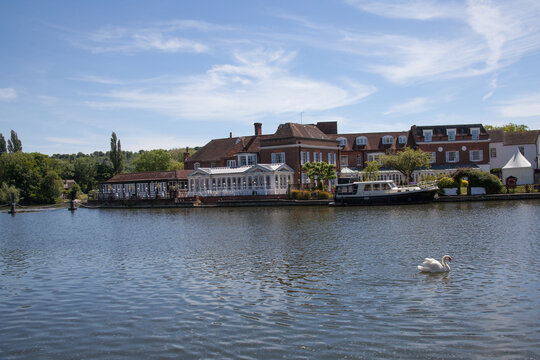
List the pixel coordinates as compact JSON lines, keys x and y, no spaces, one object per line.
{"x":520,"y":168}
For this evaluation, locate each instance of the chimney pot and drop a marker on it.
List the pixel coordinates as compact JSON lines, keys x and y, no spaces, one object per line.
{"x":258,"y":129}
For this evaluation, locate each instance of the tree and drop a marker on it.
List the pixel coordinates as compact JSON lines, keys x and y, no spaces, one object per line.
{"x":508,"y":127}
{"x":371,"y":171}
{"x":85,"y":173}
{"x":320,"y":172}
{"x":407,"y":161}
{"x":50,"y":188}
{"x":5,"y":194}
{"x":22,"y":171}
{"x":3,"y":148}
{"x":14,"y":144}
{"x":116,"y":154}
{"x":154,"y":160}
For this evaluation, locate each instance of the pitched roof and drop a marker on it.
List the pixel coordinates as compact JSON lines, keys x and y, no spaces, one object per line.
{"x":517,"y":161}
{"x":496,"y":135}
{"x":514,"y":137}
{"x":149,"y":176}
{"x":307,"y":131}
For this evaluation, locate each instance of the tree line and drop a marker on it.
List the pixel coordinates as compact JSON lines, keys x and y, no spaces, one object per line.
{"x":36,"y":178}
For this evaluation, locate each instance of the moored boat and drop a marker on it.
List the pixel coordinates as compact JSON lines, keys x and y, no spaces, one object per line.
{"x":382,"y":192}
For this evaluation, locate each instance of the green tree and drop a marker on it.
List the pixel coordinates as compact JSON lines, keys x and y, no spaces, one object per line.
{"x":3,"y":148}
{"x":104,"y":170}
{"x":5,"y":194}
{"x":320,"y":171}
{"x":371,"y":170}
{"x":75,"y":191}
{"x":154,"y":160}
{"x":22,"y":171}
{"x":14,"y":144}
{"x":116,"y":154}
{"x":508,"y":127}
{"x":407,"y":161}
{"x":50,"y":188}
{"x":85,"y":173}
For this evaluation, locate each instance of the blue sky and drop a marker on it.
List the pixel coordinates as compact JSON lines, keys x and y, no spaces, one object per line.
{"x":174,"y":73}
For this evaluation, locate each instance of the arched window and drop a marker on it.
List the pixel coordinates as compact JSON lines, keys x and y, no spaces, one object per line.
{"x":387,"y":139}
{"x":361,"y":140}
{"x":402,"y":139}
{"x":342,"y":141}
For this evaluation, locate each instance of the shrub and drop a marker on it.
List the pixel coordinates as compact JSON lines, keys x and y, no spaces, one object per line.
{"x":301,"y":194}
{"x":321,"y":195}
{"x":446,"y":182}
{"x":479,"y":178}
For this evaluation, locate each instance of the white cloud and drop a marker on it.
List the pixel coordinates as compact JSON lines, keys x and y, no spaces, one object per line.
{"x":525,"y":106}
{"x":414,"y":106}
{"x":7,"y":94}
{"x":258,"y":84}
{"x":417,"y":10}
{"x":492,"y":86}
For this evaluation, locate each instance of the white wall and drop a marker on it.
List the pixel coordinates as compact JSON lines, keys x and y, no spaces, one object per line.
{"x":504,"y":153}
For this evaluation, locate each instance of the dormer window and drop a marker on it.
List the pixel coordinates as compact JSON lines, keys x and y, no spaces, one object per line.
{"x":342,"y":141}
{"x":428,"y":134}
{"x":475,"y":133}
{"x":402,"y":139}
{"x":196,"y":165}
{"x":451,"y":134}
{"x":361,"y":140}
{"x":387,"y":139}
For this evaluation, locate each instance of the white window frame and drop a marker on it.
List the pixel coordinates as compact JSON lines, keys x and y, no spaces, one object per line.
{"x":402,"y":139}
{"x":304,"y":157}
{"x":374,"y":156}
{"x":346,"y":163}
{"x":332,"y":158}
{"x":451,"y":133}
{"x":342,"y":141}
{"x":359,"y":160}
{"x":493,"y":152}
{"x":278,"y":158}
{"x":448,"y":156}
{"x":361,"y":140}
{"x":428,"y":135}
{"x":231,"y":163}
{"x":474,"y":153}
{"x":196,"y":165}
{"x":433,"y":157}
{"x":387,"y":139}
{"x":475,"y":133}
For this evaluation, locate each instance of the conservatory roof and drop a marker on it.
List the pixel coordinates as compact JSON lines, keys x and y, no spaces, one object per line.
{"x":241,"y":169}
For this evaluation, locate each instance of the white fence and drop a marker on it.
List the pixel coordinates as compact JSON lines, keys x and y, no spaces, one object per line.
{"x":396,"y":176}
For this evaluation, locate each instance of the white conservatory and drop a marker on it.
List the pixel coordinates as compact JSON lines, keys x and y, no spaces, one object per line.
{"x":253,"y":180}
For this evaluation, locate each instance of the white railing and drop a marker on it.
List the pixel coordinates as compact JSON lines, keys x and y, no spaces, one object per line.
{"x":398,"y":177}
{"x":254,"y":191}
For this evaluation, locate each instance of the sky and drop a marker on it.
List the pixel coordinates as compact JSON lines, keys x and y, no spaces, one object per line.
{"x":168,"y":74}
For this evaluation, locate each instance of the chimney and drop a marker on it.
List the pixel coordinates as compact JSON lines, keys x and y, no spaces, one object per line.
{"x":230,"y":135}
{"x":186,"y":154}
{"x":258,"y":129}
{"x":328,"y":127}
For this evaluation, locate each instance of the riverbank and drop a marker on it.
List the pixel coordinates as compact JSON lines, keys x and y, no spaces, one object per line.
{"x":491,"y":197}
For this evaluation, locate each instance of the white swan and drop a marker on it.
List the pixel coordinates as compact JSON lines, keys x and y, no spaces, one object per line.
{"x":432,"y":265}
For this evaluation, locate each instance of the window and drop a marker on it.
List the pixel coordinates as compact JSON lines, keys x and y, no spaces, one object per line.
{"x":451,"y":134}
{"x":428,"y":135}
{"x":374,"y":156}
{"x":231,"y":163}
{"x":342,"y":141}
{"x":212,"y":165}
{"x":402,"y":139}
{"x":432,"y":157}
{"x":305,"y":178}
{"x":493,"y":152}
{"x":278,"y":158}
{"x":359,"y":160}
{"x":304,"y":157}
{"x":344,"y":160}
{"x":475,"y":155}
{"x":522,"y":150}
{"x":452,"y":156}
{"x":475,"y":133}
{"x":387,"y":139}
{"x":376,"y":187}
{"x":361,"y":140}
{"x":196,"y":165}
{"x":317,"y":157}
{"x":332,"y":158}
{"x":247,"y":159}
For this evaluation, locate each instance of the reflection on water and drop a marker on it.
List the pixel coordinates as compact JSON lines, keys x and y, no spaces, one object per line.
{"x":305,"y":282}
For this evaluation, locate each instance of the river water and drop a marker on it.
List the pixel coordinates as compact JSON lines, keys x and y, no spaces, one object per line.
{"x":271,"y":282}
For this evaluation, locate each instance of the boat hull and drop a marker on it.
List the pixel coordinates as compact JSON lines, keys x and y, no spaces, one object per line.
{"x":400,"y":198}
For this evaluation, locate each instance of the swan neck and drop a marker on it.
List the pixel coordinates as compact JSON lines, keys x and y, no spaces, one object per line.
{"x":445,"y":264}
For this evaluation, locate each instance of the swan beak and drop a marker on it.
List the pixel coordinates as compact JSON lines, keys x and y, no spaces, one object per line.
{"x":449,"y":259}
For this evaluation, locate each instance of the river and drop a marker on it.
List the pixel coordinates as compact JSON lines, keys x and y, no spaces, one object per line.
{"x":271,"y":282}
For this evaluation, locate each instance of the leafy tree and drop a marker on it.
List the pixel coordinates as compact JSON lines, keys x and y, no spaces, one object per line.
{"x":22,"y":171}
{"x":85,"y":173}
{"x":407,"y":161}
{"x":3,"y":148}
{"x":320,"y":171}
{"x":116,"y":154}
{"x":371,"y":170}
{"x":14,"y":144}
{"x":5,"y":194}
{"x":479,"y":178}
{"x":508,"y":127}
{"x":104,"y":170}
{"x":75,"y":191}
{"x":154,"y":160}
{"x":50,"y":188}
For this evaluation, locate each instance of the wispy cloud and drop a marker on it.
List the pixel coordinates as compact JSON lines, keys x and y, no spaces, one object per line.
{"x":492,"y":87}
{"x":524,"y":106}
{"x":417,"y":10}
{"x":415,"y":106}
{"x":7,"y":94}
{"x":258,"y":83}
